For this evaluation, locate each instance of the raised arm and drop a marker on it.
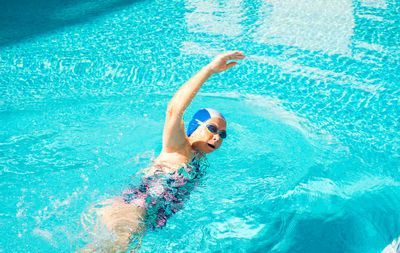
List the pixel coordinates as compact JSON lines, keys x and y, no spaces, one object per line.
{"x":174,"y":136}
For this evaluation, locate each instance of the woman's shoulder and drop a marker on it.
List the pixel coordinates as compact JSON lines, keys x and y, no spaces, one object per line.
{"x":175,"y":158}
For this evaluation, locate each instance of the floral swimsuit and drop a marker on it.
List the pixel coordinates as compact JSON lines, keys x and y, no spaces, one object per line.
{"x":163,"y":194}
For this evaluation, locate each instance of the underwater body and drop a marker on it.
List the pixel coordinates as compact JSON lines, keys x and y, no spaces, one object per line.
{"x":312,"y":158}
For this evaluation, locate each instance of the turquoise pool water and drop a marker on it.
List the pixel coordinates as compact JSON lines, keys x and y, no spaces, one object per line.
{"x":312,"y":161}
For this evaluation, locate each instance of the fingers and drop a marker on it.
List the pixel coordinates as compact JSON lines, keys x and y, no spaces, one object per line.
{"x":220,"y":63}
{"x":231,"y":64}
{"x":233,"y":55}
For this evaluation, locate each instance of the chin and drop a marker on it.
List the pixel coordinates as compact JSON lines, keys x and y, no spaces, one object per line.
{"x":209,"y":150}
{"x":204,"y":148}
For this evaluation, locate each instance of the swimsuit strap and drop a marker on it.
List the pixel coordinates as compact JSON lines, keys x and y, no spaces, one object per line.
{"x":195,"y":158}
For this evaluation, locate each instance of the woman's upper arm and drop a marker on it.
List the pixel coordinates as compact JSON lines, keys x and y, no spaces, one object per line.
{"x":174,"y":136}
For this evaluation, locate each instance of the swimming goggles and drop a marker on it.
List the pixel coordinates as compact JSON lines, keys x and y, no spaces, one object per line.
{"x":213,"y":129}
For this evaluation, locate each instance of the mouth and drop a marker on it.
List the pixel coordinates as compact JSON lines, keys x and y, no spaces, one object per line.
{"x":210,"y":145}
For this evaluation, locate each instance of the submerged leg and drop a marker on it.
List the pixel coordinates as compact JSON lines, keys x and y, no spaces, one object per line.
{"x":115,"y":227}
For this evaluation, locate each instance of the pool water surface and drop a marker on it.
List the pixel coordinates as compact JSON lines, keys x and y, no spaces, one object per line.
{"x":312,"y":158}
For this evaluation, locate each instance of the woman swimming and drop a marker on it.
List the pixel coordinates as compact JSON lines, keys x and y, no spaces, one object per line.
{"x":174,"y":173}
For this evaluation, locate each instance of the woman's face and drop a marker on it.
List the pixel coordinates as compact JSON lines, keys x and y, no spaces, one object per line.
{"x":203,"y":140}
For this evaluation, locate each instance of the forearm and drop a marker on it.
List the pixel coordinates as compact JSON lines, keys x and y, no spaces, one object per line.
{"x":184,"y":96}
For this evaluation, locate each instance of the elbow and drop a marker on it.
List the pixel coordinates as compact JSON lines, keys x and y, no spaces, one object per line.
{"x":173,"y":111}
{"x":170,"y":109}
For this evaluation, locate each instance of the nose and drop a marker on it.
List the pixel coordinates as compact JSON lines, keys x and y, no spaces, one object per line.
{"x":216,"y":137}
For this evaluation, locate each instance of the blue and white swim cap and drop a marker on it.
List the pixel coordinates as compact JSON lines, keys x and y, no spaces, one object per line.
{"x":201,"y":116}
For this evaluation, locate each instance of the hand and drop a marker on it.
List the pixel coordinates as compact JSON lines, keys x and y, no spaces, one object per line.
{"x":220,"y":64}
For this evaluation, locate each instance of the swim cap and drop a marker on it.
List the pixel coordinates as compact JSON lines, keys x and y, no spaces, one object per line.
{"x":201,"y":116}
